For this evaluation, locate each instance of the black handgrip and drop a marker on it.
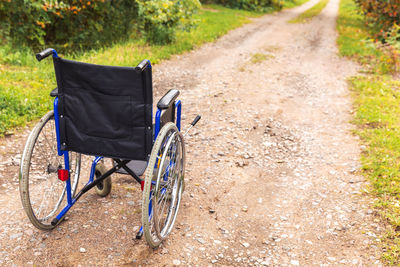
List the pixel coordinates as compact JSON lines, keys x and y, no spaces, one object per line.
{"x":196,"y":120}
{"x":142,"y":65}
{"x":45,"y":53}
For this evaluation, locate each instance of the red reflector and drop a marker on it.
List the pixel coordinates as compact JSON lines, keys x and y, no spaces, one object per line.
{"x":142,"y":185}
{"x":63,"y":175}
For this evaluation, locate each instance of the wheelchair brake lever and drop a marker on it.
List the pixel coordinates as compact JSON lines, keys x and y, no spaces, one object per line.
{"x":194,"y":122}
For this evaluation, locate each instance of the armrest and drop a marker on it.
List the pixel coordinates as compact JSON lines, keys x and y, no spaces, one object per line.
{"x":54,"y":92}
{"x":168,"y":99}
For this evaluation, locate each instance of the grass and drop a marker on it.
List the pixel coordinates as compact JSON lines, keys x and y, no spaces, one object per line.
{"x":355,"y":41}
{"x":376,"y":102}
{"x":293,"y":3}
{"x":259,"y":57}
{"x":25,"y":84}
{"x":310,"y":13}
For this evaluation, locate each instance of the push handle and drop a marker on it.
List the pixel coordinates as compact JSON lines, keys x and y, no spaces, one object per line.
{"x":45,"y":53}
{"x":142,"y":65}
{"x":196,"y":120}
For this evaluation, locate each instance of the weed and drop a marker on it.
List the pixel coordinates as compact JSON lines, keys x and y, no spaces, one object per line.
{"x":258,"y":57}
{"x":310,"y":13}
{"x":293,"y":3}
{"x":272,"y":48}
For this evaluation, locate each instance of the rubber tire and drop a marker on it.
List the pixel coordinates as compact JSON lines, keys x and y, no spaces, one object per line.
{"x":24,"y":173}
{"x":104,"y":188}
{"x":147,"y":184}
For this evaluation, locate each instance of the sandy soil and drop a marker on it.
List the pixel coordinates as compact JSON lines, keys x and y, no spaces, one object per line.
{"x":272,"y":173}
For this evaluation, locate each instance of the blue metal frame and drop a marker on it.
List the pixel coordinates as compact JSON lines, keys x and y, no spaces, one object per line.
{"x":178,"y":107}
{"x":93,"y":169}
{"x":57,"y":121}
{"x":55,"y":55}
{"x":157,"y":124}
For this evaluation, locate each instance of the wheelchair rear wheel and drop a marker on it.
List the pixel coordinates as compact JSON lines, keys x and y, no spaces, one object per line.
{"x":164,"y":179}
{"x":42,"y":193}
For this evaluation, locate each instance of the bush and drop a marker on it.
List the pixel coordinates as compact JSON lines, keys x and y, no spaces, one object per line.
{"x":252,"y":5}
{"x":381,"y":15}
{"x":159,"y":19}
{"x":84,"y":24}
{"x":71,"y":23}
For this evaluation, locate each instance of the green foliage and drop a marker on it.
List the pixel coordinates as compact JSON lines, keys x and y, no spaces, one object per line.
{"x":253,"y":5}
{"x":382,"y":18}
{"x":160,"y":19}
{"x":310,"y":13}
{"x":381,"y":15}
{"x":67,"y":24}
{"x":84,"y":24}
{"x":355,"y":40}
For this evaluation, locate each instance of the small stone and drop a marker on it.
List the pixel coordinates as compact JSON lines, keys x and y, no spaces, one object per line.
{"x":245,"y":208}
{"x":245,"y":244}
{"x":14,"y":236}
{"x":82,"y":250}
{"x":176,"y":262}
{"x":294,"y":262}
{"x":331,"y":259}
{"x":201,"y":240}
{"x":218,"y":242}
{"x":211,"y":211}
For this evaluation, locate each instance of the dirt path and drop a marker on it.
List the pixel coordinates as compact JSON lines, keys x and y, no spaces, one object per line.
{"x":272,"y":167}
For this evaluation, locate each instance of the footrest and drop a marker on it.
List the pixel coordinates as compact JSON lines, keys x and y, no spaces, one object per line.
{"x":137,"y":166}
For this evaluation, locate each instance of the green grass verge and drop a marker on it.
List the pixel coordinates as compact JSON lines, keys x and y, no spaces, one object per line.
{"x":376,"y":102}
{"x":310,"y":13}
{"x":293,"y":3}
{"x":355,"y":40}
{"x":25,"y":84}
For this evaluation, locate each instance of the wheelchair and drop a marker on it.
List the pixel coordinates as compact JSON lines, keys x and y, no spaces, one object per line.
{"x":105,"y":112}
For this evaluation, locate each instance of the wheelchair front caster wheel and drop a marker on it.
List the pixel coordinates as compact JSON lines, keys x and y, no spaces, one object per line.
{"x":104,"y":187}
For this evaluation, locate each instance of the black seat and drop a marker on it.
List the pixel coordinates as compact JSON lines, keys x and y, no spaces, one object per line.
{"x":105,"y":110}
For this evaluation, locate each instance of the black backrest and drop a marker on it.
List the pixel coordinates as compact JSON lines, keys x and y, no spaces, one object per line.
{"x":104,"y":110}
